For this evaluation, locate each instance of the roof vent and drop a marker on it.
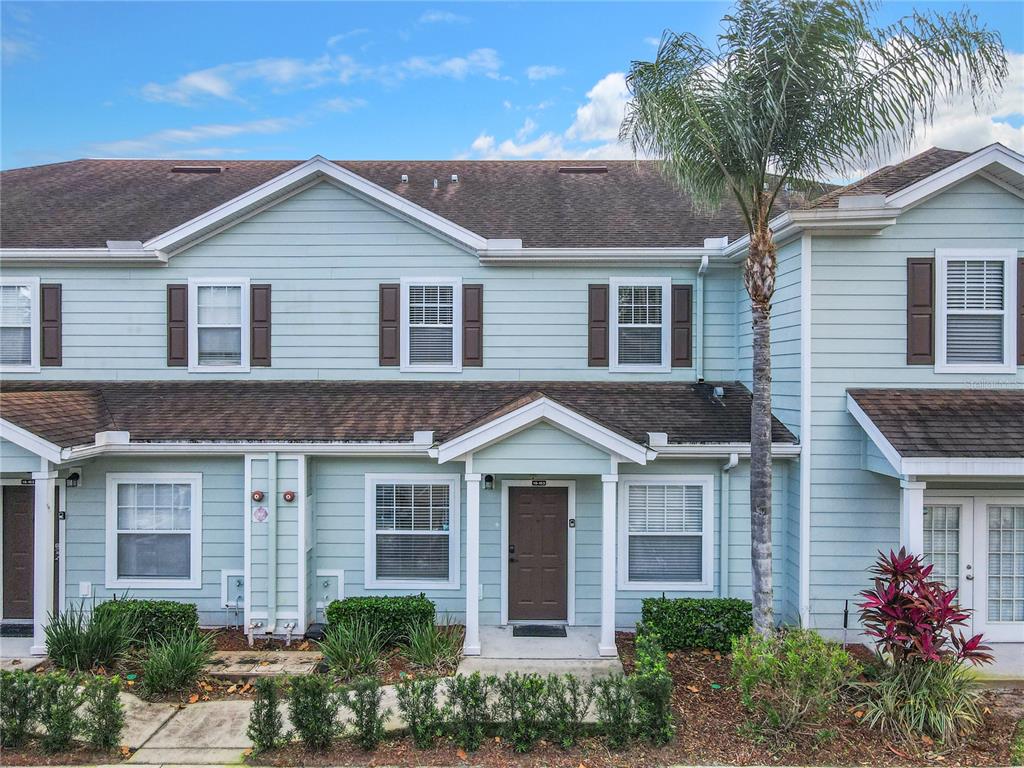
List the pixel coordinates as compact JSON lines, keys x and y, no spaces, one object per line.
{"x":405,"y":178}
{"x":583,"y":169}
{"x":435,"y":183}
{"x":455,"y":178}
{"x":197,"y":169}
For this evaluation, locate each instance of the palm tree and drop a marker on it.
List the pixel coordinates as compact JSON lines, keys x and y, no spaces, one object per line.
{"x":796,"y":91}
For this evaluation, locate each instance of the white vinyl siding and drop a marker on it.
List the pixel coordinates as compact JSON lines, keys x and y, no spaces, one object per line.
{"x":412,"y":532}
{"x":431,"y":324}
{"x":640,"y":314}
{"x":976,"y":301}
{"x":666,"y":529}
{"x":153,"y":531}
{"x":218,"y":325}
{"x":19,"y":324}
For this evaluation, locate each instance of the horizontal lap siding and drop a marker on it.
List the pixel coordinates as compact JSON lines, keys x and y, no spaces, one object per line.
{"x":541,"y":449}
{"x":859,"y":339}
{"x":325,"y":251}
{"x":14,"y":458}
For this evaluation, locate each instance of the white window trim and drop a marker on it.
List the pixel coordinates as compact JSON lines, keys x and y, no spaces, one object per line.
{"x":665,"y":283}
{"x":456,"y":284}
{"x":370,"y":580}
{"x":1009,"y":258}
{"x":193,"y":324}
{"x":33,"y":285}
{"x":195,"y":579}
{"x":706,"y":584}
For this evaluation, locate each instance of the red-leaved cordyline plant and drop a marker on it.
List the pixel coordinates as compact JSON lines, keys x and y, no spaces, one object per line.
{"x":914,"y":617}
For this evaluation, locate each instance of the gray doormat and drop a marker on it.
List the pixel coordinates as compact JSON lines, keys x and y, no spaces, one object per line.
{"x":538,"y":630}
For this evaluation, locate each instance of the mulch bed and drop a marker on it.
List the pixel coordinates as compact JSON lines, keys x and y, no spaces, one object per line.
{"x":237,"y":640}
{"x":708,"y":719}
{"x":32,"y":754}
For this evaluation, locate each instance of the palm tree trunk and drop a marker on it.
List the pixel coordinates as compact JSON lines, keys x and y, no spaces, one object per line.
{"x":759,"y":276}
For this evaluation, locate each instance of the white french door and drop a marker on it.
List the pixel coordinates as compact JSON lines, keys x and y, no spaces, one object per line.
{"x":976,"y":543}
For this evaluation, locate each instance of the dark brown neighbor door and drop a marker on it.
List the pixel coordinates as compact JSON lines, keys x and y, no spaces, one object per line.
{"x":18,"y":543}
{"x":538,"y":535}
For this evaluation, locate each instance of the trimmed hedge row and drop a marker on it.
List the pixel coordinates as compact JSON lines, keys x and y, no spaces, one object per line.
{"x":152,"y":618}
{"x":688,"y":622}
{"x":393,"y":616}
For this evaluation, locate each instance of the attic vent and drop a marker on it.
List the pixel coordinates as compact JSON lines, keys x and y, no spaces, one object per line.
{"x":197,"y":169}
{"x":583,"y":169}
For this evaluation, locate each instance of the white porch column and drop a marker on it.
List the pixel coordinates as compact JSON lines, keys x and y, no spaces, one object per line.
{"x":471,"y":645}
{"x":42,"y":554}
{"x":610,"y":487}
{"x":912,"y":516}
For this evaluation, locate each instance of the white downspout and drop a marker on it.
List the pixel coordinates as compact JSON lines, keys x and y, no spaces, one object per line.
{"x":723,"y":525}
{"x":806,"y":411}
{"x":698,"y":312}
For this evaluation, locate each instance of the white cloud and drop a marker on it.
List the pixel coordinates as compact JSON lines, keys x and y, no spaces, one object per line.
{"x":600,"y":117}
{"x":341,"y":104}
{"x":543,"y":72}
{"x":172,"y":141}
{"x":529,"y":126}
{"x":442,"y":17}
{"x":333,"y":40}
{"x":482,"y":61}
{"x":14,"y":49}
{"x":655,"y":41}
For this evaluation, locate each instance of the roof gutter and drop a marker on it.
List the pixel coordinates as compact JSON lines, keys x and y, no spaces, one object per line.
{"x":721,"y":450}
{"x":689,"y":255}
{"x":12,"y":256}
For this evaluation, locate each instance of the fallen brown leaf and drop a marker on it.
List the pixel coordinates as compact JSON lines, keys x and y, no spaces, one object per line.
{"x":193,"y":698}
{"x":232,"y":689}
{"x":693,"y":689}
{"x":461,"y":753}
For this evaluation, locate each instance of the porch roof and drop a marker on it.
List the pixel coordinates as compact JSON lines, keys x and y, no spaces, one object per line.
{"x":70,"y":413}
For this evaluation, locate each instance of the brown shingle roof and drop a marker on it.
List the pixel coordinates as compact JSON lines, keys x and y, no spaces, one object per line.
{"x":976,"y":423}
{"x":361,"y":411}
{"x":85,"y":203}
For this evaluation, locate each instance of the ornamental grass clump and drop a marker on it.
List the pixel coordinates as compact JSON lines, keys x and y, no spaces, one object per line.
{"x":433,"y":647}
{"x":78,"y":640}
{"x":924,"y":692}
{"x":353,"y":648}
{"x":174,"y":662}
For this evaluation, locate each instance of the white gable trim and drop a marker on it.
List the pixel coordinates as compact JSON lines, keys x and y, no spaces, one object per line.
{"x":21,"y":437}
{"x":874,"y":433}
{"x":542,"y":409}
{"x":316,"y":167}
{"x":969,"y":166}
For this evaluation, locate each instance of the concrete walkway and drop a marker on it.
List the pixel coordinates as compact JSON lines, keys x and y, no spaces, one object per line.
{"x":242,"y":665}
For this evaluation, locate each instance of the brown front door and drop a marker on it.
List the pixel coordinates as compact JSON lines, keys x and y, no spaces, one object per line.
{"x":538,"y":535}
{"x":18,"y":543}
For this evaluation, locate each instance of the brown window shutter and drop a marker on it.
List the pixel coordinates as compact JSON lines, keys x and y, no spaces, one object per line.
{"x":682,"y":326}
{"x":473,"y":325}
{"x":920,"y":311}
{"x":1020,"y":311}
{"x":390,"y":323}
{"x":50,"y":330}
{"x":259,"y":322}
{"x":597,"y":333}
{"x":177,"y":324}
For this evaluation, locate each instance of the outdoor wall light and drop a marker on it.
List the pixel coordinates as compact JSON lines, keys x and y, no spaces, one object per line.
{"x":257,"y":496}
{"x":488,"y":482}
{"x":289,"y":496}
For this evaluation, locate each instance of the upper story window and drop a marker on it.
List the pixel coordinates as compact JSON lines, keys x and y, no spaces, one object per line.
{"x":976,"y":318}
{"x":639,"y":334}
{"x":218,"y":325}
{"x":432,"y":324}
{"x":19,"y":324}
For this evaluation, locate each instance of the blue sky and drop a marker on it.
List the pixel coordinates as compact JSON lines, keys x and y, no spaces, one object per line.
{"x":360,"y":80}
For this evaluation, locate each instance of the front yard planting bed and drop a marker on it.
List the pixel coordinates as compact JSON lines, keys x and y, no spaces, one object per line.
{"x":32,"y":754}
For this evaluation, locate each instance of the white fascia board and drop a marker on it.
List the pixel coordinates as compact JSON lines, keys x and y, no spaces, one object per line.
{"x":235,"y":448}
{"x":21,"y":437}
{"x":1012,"y":466}
{"x":11,"y":256}
{"x":875,"y":434}
{"x":542,"y":409}
{"x":716,"y":450}
{"x":678,"y":256}
{"x":317,"y":166}
{"x":970,"y":165}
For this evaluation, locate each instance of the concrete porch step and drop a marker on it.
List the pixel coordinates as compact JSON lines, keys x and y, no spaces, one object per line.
{"x":585,"y":669}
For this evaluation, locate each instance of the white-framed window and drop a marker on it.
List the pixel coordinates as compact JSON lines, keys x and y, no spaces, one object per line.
{"x":641,"y":313}
{"x":666,"y":532}
{"x":19,"y":324}
{"x":154,"y":531}
{"x":218,"y":324}
{"x":431,"y":333}
{"x":412,"y":532}
{"x":976,"y":300}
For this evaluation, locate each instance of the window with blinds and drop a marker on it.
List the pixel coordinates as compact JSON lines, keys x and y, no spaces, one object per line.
{"x":219,"y":325}
{"x":976,"y":311}
{"x":412,"y":531}
{"x":431,"y":324}
{"x":665,"y":530}
{"x":16,"y":313}
{"x":640,"y":324}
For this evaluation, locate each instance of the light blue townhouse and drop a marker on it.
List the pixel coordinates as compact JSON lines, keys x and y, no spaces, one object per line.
{"x":521,"y":388}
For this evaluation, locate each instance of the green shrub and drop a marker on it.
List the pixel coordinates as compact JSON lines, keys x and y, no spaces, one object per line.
{"x":17,"y":707}
{"x":690,"y":622}
{"x":393,"y":616}
{"x":937,"y":699}
{"x":174,"y":662}
{"x":266,"y":727}
{"x":79,"y":641}
{"x":58,"y":702}
{"x":153,"y":618}
{"x":519,"y":708}
{"x":313,"y":710}
{"x":790,"y":681}
{"x":1017,"y":745}
{"x":466,"y":713}
{"x":417,"y":703}
{"x":613,"y":699}
{"x":433,"y":647}
{"x":567,"y":700}
{"x":364,"y":701}
{"x":353,"y":648}
{"x":652,"y":690}
{"x":103,"y":713}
